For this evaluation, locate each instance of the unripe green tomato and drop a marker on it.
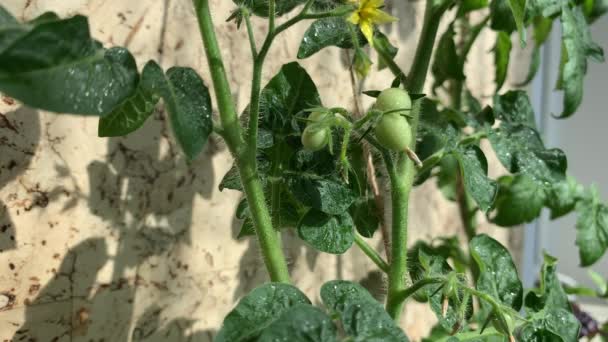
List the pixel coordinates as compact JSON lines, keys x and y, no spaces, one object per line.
{"x":392,"y":99}
{"x":393,"y":132}
{"x":315,"y":138}
{"x":504,"y":327}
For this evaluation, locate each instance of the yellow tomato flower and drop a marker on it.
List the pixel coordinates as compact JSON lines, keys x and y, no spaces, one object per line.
{"x":369,"y":14}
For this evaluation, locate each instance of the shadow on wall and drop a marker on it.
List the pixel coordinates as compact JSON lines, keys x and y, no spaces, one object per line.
{"x":19,"y":139}
{"x":144,"y":192}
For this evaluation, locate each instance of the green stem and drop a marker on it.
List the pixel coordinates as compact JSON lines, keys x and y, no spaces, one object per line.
{"x":228,"y":115}
{"x":268,"y":238}
{"x":250,"y":35}
{"x":371,"y":253}
{"x":405,"y":294}
{"x":402,"y":175}
{"x":472,"y":335}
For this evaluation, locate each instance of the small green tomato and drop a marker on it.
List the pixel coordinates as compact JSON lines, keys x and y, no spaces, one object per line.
{"x":394,"y":132}
{"x":393,"y":99}
{"x":315,"y":138}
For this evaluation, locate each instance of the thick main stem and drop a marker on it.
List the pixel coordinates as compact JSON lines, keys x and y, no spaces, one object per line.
{"x":402,"y":175}
{"x":268,"y":238}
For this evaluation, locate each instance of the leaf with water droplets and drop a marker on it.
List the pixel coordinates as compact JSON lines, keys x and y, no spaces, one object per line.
{"x":57,"y":66}
{"x":335,"y":31}
{"x":257,"y":310}
{"x":474,"y":170}
{"x":133,"y":112}
{"x":497,"y":273}
{"x":519,"y":200}
{"x":189,"y":104}
{"x":327,"y":233}
{"x":301,"y":323}
{"x":362,"y":316}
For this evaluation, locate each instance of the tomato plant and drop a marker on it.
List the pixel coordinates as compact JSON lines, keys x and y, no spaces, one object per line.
{"x":299,"y":163}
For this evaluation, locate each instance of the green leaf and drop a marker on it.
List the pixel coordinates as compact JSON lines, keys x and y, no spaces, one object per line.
{"x":514,"y":107}
{"x":591,"y":228}
{"x":289,"y":92}
{"x":327,"y":195}
{"x":474,"y":168}
{"x":72,"y":75}
{"x":542,"y":28}
{"x":518,"y":10}
{"x":447,"y":178}
{"x":231,"y":180}
{"x":326,"y":233}
{"x":467,"y":6}
{"x":519,"y":200}
{"x":257,"y":310}
{"x":363,"y":318}
{"x":563,"y":196}
{"x":543,"y":8}
{"x":301,"y":323}
{"x":497,"y":273}
{"x":260,"y":7}
{"x":365,"y":217}
{"x":550,"y":294}
{"x":520,"y":149}
{"x":578,"y":44}
{"x":189,"y":104}
{"x":382,"y":43}
{"x":551,"y":325}
{"x":502,"y":51}
{"x":594,"y":9}
{"x":334,"y":31}
{"x":436,"y":130}
{"x":133,"y":112}
{"x":445,"y":65}
{"x":501,"y":16}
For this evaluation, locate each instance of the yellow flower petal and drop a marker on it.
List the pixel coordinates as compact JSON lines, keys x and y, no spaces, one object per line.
{"x":381,"y":17}
{"x":368,"y":31}
{"x":375,"y":3}
{"x":354,"y":18}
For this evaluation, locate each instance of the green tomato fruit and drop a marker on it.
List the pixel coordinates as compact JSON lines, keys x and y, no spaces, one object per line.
{"x":392,"y":99}
{"x":394,"y":132}
{"x":315,"y":138}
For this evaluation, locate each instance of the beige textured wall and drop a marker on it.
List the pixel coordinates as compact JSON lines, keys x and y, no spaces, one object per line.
{"x":118,"y":239}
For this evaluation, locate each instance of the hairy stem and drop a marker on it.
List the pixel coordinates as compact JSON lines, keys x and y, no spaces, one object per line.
{"x":402,"y":174}
{"x":405,"y":294}
{"x":268,"y":238}
{"x":371,"y":253}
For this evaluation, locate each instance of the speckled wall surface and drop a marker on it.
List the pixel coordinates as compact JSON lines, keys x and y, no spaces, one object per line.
{"x":118,"y":239}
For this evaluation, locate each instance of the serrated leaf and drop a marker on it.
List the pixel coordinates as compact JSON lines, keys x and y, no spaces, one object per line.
{"x":382,"y":43}
{"x":189,"y":105}
{"x":591,"y":228}
{"x":334,"y":31}
{"x":520,"y":149}
{"x":550,"y":294}
{"x":551,"y":325}
{"x":502,"y":51}
{"x":301,"y":323}
{"x":474,"y":169}
{"x":257,"y":310}
{"x":445,"y":65}
{"x":133,"y":112}
{"x":261,"y":9}
{"x":436,"y":130}
{"x":327,"y":233}
{"x":519,"y":200}
{"x":497,"y":273}
{"x":326,"y":195}
{"x":73,"y":75}
{"x":289,"y":92}
{"x":515,"y":108}
{"x":578,"y":45}
{"x":563,"y":196}
{"x":231,"y":180}
{"x":363,"y":318}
